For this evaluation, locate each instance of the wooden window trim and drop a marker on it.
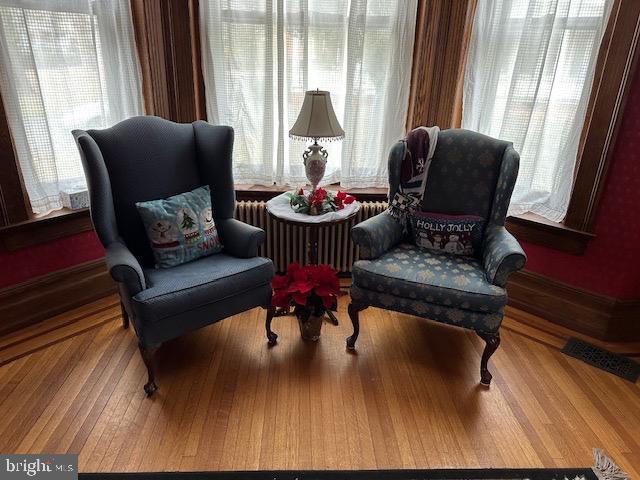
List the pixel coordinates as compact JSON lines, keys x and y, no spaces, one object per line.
{"x":443,"y":31}
{"x":58,"y":224}
{"x":261,"y":193}
{"x":617,"y":64}
{"x":14,"y":204}
{"x":172,"y":82}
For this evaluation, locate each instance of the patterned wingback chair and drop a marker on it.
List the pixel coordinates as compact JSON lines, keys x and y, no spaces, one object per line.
{"x":470,"y":174}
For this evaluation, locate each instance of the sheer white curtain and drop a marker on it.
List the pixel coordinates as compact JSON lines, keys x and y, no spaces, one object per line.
{"x":259,"y":57}
{"x":528,"y":80}
{"x":65,"y":64}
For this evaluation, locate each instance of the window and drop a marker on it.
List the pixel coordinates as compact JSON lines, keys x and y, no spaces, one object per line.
{"x":528,"y":80}
{"x":260,"y":57}
{"x":65,"y":65}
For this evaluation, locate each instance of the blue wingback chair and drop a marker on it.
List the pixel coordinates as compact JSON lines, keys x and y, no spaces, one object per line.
{"x":470,"y":174}
{"x":148,"y":158}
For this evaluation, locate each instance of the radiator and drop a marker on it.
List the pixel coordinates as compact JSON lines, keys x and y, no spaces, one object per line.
{"x":288,"y":243}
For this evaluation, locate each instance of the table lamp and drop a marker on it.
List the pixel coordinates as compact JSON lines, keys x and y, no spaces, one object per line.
{"x":316,"y":121}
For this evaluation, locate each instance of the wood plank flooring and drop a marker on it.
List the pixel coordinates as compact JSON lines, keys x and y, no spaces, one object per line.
{"x":409,"y":397}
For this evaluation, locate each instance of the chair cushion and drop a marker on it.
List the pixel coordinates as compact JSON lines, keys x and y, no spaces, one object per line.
{"x":191,"y":285}
{"x":487,"y":322}
{"x":439,"y":278}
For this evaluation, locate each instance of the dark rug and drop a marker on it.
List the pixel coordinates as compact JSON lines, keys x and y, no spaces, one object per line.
{"x":449,"y":474}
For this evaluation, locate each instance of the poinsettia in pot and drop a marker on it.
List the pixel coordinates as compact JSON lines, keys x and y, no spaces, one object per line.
{"x":311,"y":290}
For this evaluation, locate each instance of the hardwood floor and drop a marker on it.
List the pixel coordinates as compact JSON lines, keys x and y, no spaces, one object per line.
{"x":409,"y":397}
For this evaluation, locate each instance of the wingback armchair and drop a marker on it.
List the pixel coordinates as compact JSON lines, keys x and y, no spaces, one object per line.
{"x":149,"y":158}
{"x":470,"y":174}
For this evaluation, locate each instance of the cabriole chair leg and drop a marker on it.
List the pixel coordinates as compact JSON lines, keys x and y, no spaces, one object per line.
{"x":125,"y":316}
{"x":147,"y":358}
{"x":271,"y":336}
{"x":354,"y":310}
{"x":493,"y":342}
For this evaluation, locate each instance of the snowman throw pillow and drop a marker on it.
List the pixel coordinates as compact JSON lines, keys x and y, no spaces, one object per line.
{"x":455,"y":234}
{"x":180,"y":228}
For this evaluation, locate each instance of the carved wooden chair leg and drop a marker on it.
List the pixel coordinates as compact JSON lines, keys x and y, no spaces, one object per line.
{"x":354,"y":310}
{"x":125,"y":316}
{"x":493,"y":342}
{"x":147,"y":358}
{"x":271,"y":336}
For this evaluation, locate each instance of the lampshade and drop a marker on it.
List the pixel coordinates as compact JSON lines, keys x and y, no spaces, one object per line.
{"x":317,"y":119}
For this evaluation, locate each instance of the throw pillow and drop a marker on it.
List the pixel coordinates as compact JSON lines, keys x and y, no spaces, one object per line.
{"x":180,"y":228}
{"x":456,"y":234}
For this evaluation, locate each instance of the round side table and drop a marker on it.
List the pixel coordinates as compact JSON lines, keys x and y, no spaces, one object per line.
{"x":280,"y":209}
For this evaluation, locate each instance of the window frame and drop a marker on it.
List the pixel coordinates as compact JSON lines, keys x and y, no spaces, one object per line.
{"x":436,"y":99}
{"x":173,"y":88}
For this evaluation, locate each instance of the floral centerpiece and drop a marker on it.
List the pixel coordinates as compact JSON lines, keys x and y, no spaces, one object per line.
{"x":319,"y":201}
{"x":312,"y":290}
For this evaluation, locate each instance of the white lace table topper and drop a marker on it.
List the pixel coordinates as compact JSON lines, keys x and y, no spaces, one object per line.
{"x":279,"y":206}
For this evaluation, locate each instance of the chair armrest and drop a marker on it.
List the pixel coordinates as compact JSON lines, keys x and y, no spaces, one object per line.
{"x":376,"y":235}
{"x":125,"y":268}
{"x":240,"y":239}
{"x":502,"y":255}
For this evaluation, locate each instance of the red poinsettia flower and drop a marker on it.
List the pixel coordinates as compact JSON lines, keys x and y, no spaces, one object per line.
{"x":300,"y":286}
{"x":318,"y":197}
{"x":341,"y":195}
{"x":280,"y":282}
{"x":300,"y":298}
{"x":306,"y":286}
{"x":349,"y":199}
{"x":280,"y":299}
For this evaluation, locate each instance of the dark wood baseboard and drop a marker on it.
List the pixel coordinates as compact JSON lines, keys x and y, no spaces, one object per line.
{"x":596,"y":315}
{"x":43,"y":297}
{"x":599,"y":316}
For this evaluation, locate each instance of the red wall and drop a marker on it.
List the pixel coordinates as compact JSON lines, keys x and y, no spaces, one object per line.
{"x":610,"y":266}
{"x":21,"y":265}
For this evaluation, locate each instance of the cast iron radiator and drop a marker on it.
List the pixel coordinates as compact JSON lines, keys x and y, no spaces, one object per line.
{"x":288,"y":243}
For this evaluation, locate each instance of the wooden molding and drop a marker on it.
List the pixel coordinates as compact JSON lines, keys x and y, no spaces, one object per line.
{"x":596,"y":315}
{"x":616,"y":66}
{"x":442,"y":35}
{"x":168,"y":42}
{"x":599,"y":316}
{"x":534,"y":229}
{"x":14,"y":204}
{"x":59,"y":224}
{"x":43,"y":297}
{"x":260,"y":193}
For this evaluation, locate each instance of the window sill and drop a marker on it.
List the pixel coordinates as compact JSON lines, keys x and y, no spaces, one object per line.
{"x":58,"y":224}
{"x":529,"y":228}
{"x":262,"y":193}
{"x":535,"y":229}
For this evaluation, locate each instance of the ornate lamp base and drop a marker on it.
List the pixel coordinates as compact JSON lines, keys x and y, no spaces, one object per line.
{"x":315,"y":163}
